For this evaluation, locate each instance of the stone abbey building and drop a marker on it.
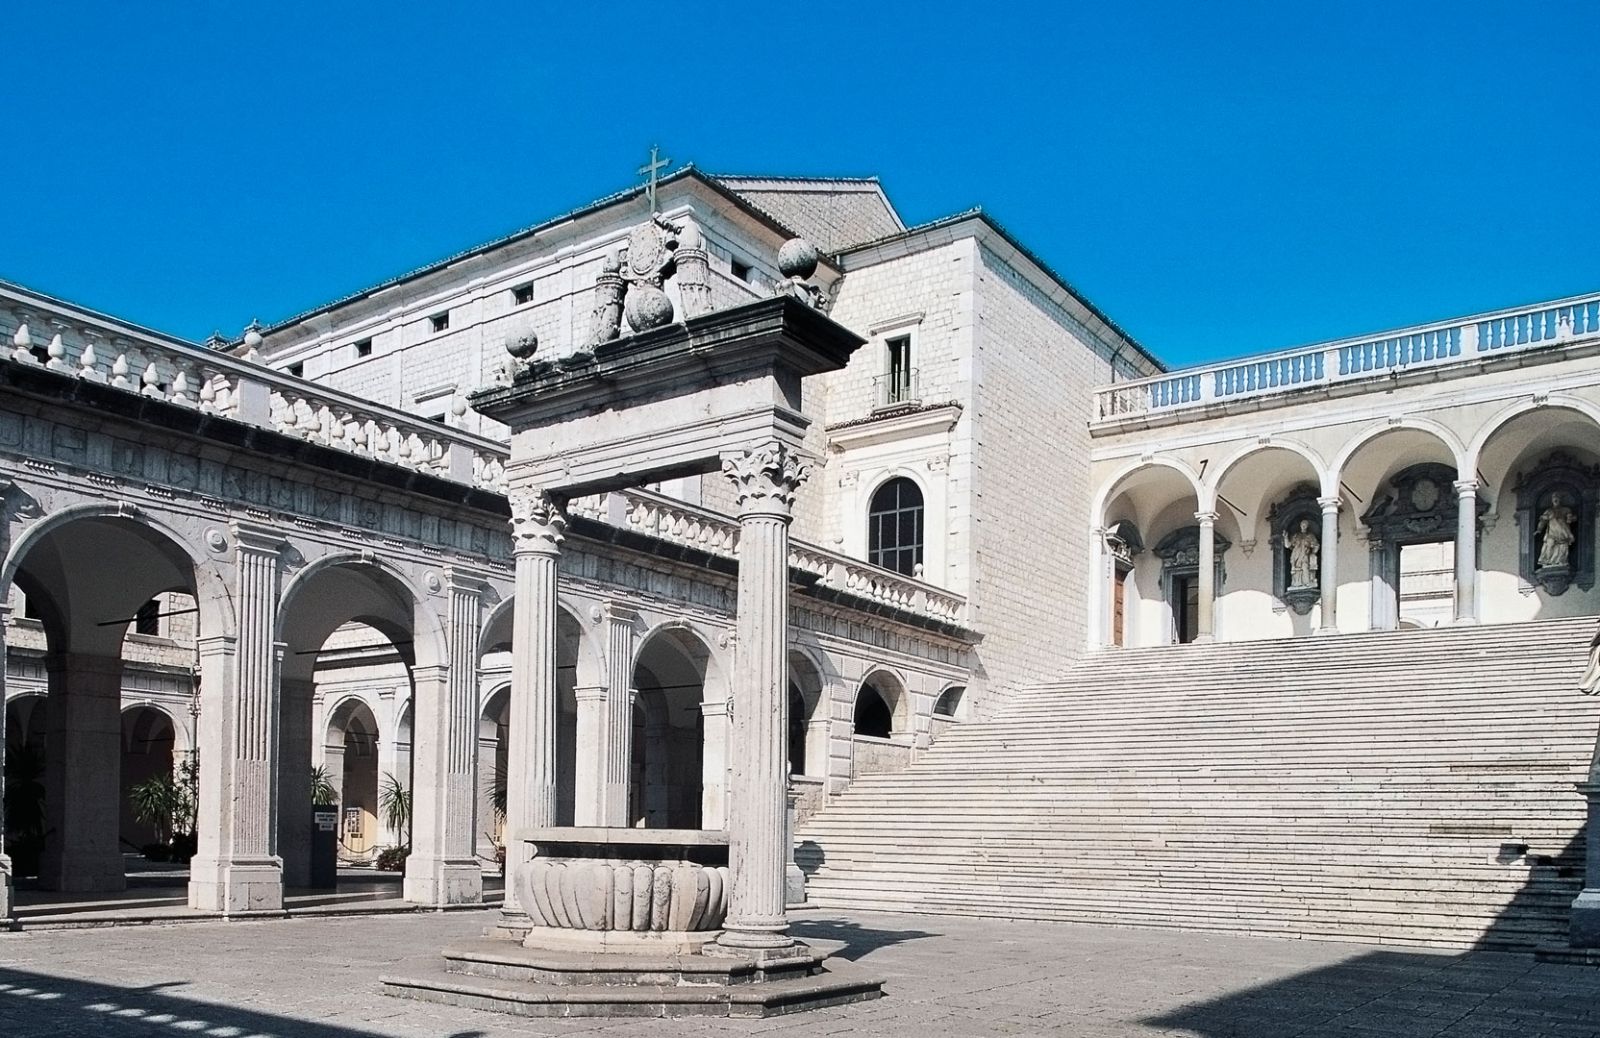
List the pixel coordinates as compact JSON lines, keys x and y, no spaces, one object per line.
{"x":1284,"y":644}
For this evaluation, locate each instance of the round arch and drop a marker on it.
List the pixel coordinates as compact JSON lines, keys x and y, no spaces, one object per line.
{"x":890,"y":715}
{"x":1113,"y":486}
{"x":1508,"y":414}
{"x":1361,"y":439}
{"x":496,"y":636}
{"x":1311,"y":456}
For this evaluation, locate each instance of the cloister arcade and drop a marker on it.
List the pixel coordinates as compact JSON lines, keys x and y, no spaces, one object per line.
{"x":1469,"y":514}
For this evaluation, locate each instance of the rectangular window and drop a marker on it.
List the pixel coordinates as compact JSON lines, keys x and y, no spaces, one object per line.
{"x":522,"y":294}
{"x":740,"y":270}
{"x":440,"y":321}
{"x":900,"y":384}
{"x":364,"y":348}
{"x":297,"y":369}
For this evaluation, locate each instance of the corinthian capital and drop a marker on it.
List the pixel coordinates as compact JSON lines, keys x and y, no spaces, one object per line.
{"x":537,"y":522}
{"x":766,"y":478}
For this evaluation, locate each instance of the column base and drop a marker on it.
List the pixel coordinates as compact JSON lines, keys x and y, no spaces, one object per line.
{"x":442,"y":881}
{"x":1204,"y":639}
{"x":7,"y":897}
{"x":794,"y":885}
{"x":1584,"y":929}
{"x":1324,"y":631}
{"x":1465,"y":621}
{"x":756,"y":935}
{"x":239,"y":885}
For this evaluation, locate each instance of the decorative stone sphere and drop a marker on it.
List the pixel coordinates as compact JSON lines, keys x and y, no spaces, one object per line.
{"x":647,"y":307}
{"x":252,"y":340}
{"x":522,"y":346}
{"x":797,"y":259}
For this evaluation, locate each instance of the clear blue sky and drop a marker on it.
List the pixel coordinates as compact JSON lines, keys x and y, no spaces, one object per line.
{"x":1220,"y":178}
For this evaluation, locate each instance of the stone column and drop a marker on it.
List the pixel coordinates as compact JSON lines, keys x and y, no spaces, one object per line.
{"x":1466,"y":551}
{"x":1583,"y":930}
{"x":593,"y":733}
{"x":83,"y":780}
{"x":1383,"y":603}
{"x":1208,"y":576}
{"x":235,"y":868}
{"x":765,"y":480}
{"x":654,"y":807}
{"x":1330,"y":565}
{"x":617,"y":750}
{"x":537,"y":529}
{"x":6,"y":896}
{"x":442,"y":868}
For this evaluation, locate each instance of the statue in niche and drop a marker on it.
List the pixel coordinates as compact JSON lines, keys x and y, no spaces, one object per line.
{"x":1555,"y":531}
{"x":1304,"y":553}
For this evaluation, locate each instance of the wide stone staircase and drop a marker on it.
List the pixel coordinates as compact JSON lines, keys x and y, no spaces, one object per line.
{"x":1410,"y":787}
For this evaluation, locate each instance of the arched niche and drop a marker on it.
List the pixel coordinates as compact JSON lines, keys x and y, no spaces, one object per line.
{"x":1556,"y":523}
{"x":1295,"y":523}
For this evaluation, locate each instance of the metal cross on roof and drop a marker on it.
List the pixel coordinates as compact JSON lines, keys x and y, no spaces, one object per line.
{"x":656,"y":164}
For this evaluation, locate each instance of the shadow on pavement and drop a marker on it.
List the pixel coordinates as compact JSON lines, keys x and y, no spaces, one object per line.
{"x":858,"y":940}
{"x":33,"y":1005}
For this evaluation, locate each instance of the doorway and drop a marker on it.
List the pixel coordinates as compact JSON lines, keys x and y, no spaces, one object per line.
{"x":1186,"y":606}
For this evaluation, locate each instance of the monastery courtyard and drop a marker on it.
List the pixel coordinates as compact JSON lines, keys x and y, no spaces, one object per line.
{"x":318,"y":978}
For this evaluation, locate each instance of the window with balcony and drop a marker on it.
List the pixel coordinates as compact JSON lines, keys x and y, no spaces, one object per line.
{"x":894,"y":527}
{"x":897,"y":386}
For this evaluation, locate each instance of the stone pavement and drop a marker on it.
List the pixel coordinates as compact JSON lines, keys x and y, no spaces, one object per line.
{"x":947,"y":978}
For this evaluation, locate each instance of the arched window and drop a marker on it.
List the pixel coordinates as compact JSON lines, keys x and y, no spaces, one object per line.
{"x":894,"y":527}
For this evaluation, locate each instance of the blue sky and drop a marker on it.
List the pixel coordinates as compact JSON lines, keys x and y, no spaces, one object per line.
{"x":1220,"y":178}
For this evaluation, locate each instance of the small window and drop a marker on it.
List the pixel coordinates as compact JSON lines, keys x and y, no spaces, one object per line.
{"x":440,"y":321}
{"x":740,"y":270}
{"x":949,"y":702}
{"x":148,"y":619}
{"x":297,"y":369}
{"x":522,"y":294}
{"x":437,"y":418}
{"x":901,"y":387}
{"x":364,"y":348}
{"x":894,"y":527}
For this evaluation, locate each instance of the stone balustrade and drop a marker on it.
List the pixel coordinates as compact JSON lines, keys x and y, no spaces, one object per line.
{"x":1191,"y":392}
{"x":212,"y":382}
{"x":717,"y":534}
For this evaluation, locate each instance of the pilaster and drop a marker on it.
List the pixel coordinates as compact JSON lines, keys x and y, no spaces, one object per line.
{"x":592,"y":752}
{"x":621,"y":625}
{"x":235,"y":869}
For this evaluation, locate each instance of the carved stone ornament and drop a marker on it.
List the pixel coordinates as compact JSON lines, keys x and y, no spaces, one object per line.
{"x":537,"y":521}
{"x":1123,"y":543}
{"x":797,"y":262}
{"x":1556,"y":509}
{"x":766,"y":478}
{"x":652,"y":249}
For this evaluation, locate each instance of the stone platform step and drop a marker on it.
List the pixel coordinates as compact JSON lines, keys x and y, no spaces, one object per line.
{"x":504,"y":977}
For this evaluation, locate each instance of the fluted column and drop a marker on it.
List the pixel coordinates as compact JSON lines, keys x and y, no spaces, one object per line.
{"x":617,"y":749}
{"x":442,"y":868}
{"x":1207,"y":594}
{"x":765,"y":480}
{"x":1330,"y":565}
{"x":6,"y":887}
{"x":1466,"y":551}
{"x":235,"y":868}
{"x":537,"y":529}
